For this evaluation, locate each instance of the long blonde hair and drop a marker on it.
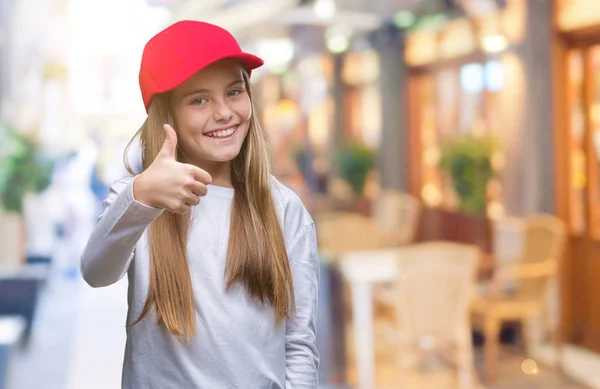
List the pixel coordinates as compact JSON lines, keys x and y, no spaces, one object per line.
{"x":256,"y":258}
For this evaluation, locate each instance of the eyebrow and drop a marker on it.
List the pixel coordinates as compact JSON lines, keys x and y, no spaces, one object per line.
{"x":195,"y":91}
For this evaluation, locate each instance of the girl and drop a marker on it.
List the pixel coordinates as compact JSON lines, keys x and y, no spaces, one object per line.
{"x":221,"y":258}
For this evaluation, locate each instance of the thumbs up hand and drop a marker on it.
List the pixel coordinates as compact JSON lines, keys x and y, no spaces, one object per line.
{"x":169,"y":184}
{"x":169,"y":149}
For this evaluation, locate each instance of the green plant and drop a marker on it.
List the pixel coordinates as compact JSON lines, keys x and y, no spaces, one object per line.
{"x":23,"y":169}
{"x":355,"y":161}
{"x":468,"y":162}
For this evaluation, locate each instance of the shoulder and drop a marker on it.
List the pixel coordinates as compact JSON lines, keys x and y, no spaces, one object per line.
{"x":293,"y":214}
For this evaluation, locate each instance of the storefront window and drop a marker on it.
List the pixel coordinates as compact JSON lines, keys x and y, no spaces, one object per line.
{"x":447,"y":89}
{"x":494,"y":76}
{"x":360,"y":76}
{"x":578,"y":156}
{"x":472,"y":88}
{"x":453,"y":101}
{"x":431,"y":190}
{"x":594,"y":144}
{"x":584,"y":140}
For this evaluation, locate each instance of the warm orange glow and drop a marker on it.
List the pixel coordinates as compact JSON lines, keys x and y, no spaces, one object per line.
{"x":529,"y":367}
{"x":574,"y":14}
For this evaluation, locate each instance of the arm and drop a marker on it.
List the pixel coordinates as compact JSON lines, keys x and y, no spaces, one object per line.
{"x":110,"y":248}
{"x":302,"y":357}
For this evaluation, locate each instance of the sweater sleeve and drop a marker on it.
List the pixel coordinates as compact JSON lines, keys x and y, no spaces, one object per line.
{"x":302,"y":356}
{"x":110,"y":248}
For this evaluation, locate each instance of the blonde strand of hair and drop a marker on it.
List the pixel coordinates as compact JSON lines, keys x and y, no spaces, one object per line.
{"x":170,"y":290}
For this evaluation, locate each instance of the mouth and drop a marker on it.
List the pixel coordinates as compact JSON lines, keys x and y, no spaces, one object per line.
{"x":222,"y":134}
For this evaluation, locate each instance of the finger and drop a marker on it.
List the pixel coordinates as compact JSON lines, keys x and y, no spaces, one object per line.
{"x":201,"y":175}
{"x":169,"y":148}
{"x":199,"y":189}
{"x":181,"y":208}
{"x":192,"y":199}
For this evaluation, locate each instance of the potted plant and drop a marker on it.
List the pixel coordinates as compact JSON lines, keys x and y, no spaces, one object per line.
{"x":354,"y":162}
{"x":467,"y":161}
{"x":23,"y":170}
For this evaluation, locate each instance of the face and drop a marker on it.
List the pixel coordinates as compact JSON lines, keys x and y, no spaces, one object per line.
{"x":212,"y":113}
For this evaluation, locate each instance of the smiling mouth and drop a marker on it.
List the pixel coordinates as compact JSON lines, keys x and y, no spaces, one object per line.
{"x":222,"y":134}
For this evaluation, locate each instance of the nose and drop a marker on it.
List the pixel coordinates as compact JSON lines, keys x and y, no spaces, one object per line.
{"x":221,"y":111}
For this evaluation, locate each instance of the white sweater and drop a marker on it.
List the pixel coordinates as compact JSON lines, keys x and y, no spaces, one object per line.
{"x":237,"y":344}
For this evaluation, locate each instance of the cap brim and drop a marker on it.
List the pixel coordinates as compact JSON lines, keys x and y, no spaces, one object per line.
{"x":249,"y":61}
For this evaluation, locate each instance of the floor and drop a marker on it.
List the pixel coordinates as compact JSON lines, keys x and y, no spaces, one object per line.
{"x":515,"y":371}
{"x":43,"y":363}
{"x":78,"y":339}
{"x":78,"y":343}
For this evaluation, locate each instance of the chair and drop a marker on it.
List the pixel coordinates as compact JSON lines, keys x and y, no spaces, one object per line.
{"x":394,"y":223}
{"x":531,"y":276}
{"x":397,"y":216}
{"x":433,"y":289}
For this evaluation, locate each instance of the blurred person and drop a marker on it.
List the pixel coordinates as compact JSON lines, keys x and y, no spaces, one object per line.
{"x":76,"y":204}
{"x":114,"y":168}
{"x":41,"y":219}
{"x":223,"y":290}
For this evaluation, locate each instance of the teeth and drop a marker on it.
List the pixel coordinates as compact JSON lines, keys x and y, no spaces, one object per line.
{"x":223,"y":133}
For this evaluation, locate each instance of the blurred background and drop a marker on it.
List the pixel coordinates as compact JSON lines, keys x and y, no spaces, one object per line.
{"x":448,"y":150}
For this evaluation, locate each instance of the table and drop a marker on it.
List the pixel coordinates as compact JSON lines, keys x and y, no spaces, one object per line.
{"x":362,"y":270}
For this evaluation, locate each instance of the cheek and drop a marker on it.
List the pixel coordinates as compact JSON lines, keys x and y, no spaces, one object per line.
{"x":244,"y":109}
{"x":191,"y":122}
{"x":249,"y":112}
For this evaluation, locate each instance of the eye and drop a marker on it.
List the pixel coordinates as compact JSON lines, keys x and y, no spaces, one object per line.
{"x":234,"y":93}
{"x":199,"y":101}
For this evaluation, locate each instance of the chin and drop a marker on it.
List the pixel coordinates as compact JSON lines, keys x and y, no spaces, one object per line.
{"x":225,"y":157}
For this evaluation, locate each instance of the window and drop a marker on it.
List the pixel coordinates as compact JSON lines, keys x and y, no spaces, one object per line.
{"x":584,"y":140}
{"x":452,"y":101}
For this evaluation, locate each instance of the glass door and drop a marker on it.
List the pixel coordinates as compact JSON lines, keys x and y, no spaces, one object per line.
{"x":593,"y":123}
{"x":577,"y":143}
{"x":584,"y":140}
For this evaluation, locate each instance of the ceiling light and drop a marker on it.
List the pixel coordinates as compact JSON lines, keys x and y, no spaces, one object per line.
{"x":494,"y":43}
{"x":337,"y":44}
{"x":337,"y":39}
{"x":276,"y":51}
{"x":324,"y":9}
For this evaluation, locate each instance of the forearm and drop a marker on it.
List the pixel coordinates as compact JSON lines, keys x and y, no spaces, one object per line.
{"x":110,"y":247}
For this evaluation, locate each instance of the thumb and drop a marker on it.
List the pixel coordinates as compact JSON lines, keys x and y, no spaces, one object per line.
{"x":169,"y":148}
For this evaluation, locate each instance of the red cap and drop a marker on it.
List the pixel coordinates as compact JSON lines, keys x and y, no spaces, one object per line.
{"x":182,"y":49}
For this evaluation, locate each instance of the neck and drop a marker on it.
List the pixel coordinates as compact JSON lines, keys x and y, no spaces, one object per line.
{"x":219,"y":171}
